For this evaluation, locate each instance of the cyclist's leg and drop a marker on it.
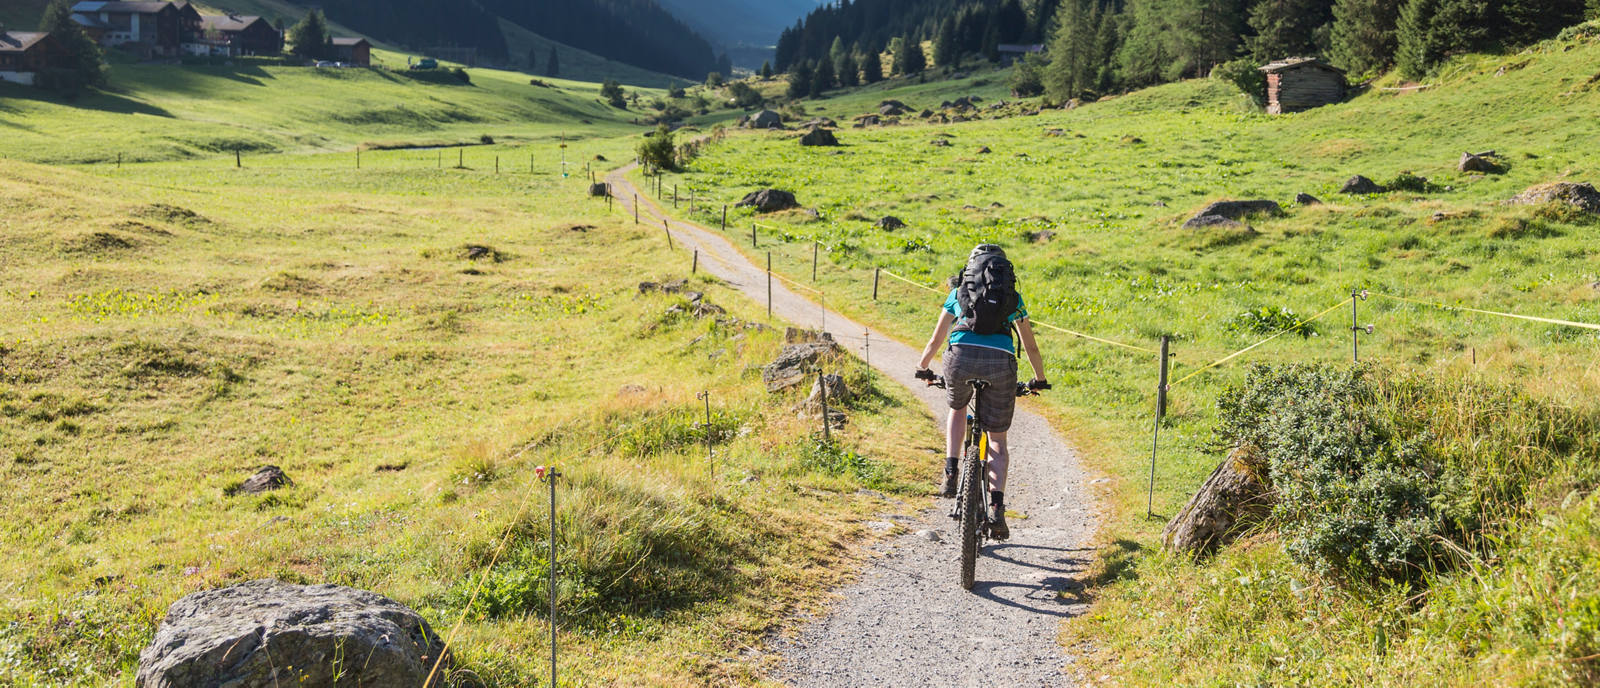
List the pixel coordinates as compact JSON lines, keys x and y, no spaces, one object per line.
{"x":955,"y":431}
{"x":998,"y":460}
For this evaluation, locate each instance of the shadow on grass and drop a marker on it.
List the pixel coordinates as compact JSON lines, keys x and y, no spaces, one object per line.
{"x":1115,"y":563}
{"x":104,"y":101}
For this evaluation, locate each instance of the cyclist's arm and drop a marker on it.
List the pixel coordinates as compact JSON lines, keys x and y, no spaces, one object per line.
{"x":1031,"y":347}
{"x":941,"y":332}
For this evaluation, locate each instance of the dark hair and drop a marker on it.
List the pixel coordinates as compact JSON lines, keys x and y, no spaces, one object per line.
{"x":955,"y":280}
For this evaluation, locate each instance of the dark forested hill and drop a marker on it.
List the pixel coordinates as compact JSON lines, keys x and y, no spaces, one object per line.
{"x":868,"y":25}
{"x":740,"y":22}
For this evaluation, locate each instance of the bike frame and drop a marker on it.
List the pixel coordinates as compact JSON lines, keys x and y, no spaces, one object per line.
{"x":977,"y":436}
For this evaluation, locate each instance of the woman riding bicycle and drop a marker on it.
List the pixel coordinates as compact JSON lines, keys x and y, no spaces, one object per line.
{"x":979,"y":315}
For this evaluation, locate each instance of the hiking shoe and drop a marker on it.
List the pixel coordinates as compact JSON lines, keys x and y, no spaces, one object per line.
{"x":949,"y":487}
{"x":997,"y":524}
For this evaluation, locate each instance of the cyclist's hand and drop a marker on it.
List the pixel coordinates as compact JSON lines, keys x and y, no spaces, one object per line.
{"x":925,"y":374}
{"x":1038,"y":385}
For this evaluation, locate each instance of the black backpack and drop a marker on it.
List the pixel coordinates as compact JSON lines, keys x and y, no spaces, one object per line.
{"x":987,"y":293}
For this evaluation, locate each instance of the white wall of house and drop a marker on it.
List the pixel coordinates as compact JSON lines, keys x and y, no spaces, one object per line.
{"x":24,"y":78}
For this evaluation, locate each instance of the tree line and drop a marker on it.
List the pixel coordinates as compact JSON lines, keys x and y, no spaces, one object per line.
{"x":973,"y":27}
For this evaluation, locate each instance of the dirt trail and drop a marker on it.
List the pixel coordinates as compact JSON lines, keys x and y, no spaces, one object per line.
{"x":905,"y":621}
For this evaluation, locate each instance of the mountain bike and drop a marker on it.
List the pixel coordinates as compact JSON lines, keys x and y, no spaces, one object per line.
{"x":972,"y":491}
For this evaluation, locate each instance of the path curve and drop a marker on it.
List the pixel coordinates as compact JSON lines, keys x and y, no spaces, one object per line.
{"x":905,"y":621}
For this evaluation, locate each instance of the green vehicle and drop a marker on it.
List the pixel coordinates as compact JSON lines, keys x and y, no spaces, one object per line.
{"x":426,"y":63}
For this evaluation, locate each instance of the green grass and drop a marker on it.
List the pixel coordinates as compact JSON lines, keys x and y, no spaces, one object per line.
{"x":174,"y":326}
{"x":1114,"y":183}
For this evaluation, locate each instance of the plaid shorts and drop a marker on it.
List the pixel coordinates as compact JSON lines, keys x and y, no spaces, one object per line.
{"x":994,"y":366}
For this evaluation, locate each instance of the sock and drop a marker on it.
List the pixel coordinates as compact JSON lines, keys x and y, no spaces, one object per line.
{"x":950,"y":464}
{"x":998,"y":499}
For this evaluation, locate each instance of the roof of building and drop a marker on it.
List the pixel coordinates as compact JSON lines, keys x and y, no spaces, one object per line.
{"x":340,"y":40}
{"x":1294,"y":63}
{"x":227,"y":22}
{"x":119,"y":7}
{"x":1021,"y":48}
{"x":90,"y":21}
{"x":19,"y":41}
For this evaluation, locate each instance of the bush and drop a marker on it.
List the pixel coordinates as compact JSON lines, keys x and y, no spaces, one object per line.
{"x":1406,"y":181}
{"x":486,"y":139}
{"x":745,"y":96}
{"x":1026,"y":78}
{"x":1359,"y":496}
{"x":1243,"y":73}
{"x":658,"y":150}
{"x":1269,"y":320}
{"x":612,"y":92}
{"x":461,"y":75}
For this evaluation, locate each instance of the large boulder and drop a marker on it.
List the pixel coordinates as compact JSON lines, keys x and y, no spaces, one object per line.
{"x":1360,"y":185}
{"x":1580,"y":196}
{"x":892,"y":108}
{"x":769,"y":200}
{"x":267,"y":479}
{"x":765,"y":119}
{"x":797,"y":361}
{"x":819,"y":137}
{"x":268,"y":633}
{"x":1234,"y":211}
{"x":1236,"y":496}
{"x":1477,"y":162}
{"x":889,"y":222}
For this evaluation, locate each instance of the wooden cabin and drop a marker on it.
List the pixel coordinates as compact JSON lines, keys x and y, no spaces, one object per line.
{"x":23,"y":54}
{"x":352,"y":51}
{"x":149,"y":29}
{"x":1302,"y":83}
{"x":237,"y":35}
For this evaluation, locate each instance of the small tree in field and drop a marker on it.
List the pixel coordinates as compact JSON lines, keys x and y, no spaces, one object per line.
{"x":714,"y":80}
{"x":871,"y":68}
{"x":87,"y":66}
{"x":658,"y":149}
{"x":612,"y":92}
{"x":310,"y":36}
{"x":766,"y":70}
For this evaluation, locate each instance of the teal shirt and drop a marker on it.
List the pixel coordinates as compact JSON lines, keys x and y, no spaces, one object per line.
{"x":1002,"y":341}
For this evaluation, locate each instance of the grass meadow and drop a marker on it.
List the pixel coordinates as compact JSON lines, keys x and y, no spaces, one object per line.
{"x":407,"y":343}
{"x":1089,"y":202}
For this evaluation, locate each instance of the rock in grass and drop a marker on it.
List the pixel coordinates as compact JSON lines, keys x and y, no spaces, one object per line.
{"x":599,"y":189}
{"x":819,"y":137}
{"x":1580,"y":196}
{"x":268,"y":633}
{"x":1471,"y":162}
{"x":1236,"y":496}
{"x":796,"y":362}
{"x":889,"y":223}
{"x":838,"y":393}
{"x":1306,"y":199}
{"x":769,"y":200}
{"x":267,"y":479}
{"x":1360,"y":185}
{"x":1228,"y":213}
{"x":765,"y":119}
{"x":939,"y":143}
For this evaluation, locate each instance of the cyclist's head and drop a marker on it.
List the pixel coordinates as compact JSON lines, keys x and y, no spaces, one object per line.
{"x":981,"y":249}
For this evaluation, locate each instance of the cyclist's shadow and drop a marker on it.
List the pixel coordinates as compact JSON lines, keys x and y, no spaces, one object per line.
{"x":1051,"y":595}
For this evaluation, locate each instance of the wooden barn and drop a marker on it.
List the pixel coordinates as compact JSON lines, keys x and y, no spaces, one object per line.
{"x":237,"y":35}
{"x":1302,"y":83}
{"x":23,"y":54}
{"x":352,"y":51}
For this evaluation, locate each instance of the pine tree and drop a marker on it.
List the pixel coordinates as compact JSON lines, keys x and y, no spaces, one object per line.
{"x":908,"y":58}
{"x":1529,"y":21}
{"x":88,"y":63}
{"x":310,"y":36}
{"x":945,"y":51}
{"x":766,"y":70}
{"x":848,"y":74}
{"x":991,"y":41}
{"x":1072,"y":67}
{"x":1286,"y":28}
{"x":1012,"y":22}
{"x":821,"y":78}
{"x":837,"y":50}
{"x":799,"y":80}
{"x":533,"y":59}
{"x":1429,"y":30}
{"x":1363,"y":34}
{"x":552,"y":64}
{"x":871,"y":67}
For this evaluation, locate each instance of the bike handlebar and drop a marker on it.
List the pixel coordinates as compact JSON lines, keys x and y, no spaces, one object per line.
{"x":1023,"y":388}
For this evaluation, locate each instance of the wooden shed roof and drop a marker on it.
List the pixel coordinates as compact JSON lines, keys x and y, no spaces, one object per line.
{"x":20,"y":41}
{"x":1294,"y":63}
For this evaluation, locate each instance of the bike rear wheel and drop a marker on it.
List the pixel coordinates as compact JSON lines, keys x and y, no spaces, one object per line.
{"x":970,"y":503}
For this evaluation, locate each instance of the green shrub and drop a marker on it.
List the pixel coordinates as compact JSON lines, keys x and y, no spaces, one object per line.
{"x":657,"y":150}
{"x":1245,"y":74}
{"x":1269,"y":320}
{"x":1406,"y":181}
{"x":1027,"y":78}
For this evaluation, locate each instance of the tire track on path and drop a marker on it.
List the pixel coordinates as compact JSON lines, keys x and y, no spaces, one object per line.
{"x":905,"y":621}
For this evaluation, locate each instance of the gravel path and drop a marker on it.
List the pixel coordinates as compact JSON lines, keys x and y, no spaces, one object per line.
{"x":905,"y":621}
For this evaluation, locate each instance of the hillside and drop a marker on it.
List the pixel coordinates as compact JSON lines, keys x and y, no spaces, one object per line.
{"x":159,"y":112}
{"x":1090,"y":202}
{"x":733,"y":23}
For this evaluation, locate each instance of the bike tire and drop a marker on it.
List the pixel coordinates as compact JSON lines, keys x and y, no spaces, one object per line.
{"x":970,"y":500}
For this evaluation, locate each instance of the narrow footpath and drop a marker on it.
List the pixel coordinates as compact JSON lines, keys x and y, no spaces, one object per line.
{"x":905,"y":621}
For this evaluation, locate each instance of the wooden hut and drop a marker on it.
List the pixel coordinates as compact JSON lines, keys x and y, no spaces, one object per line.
{"x":1302,"y":83}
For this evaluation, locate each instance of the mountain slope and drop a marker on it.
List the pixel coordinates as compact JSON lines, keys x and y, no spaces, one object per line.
{"x":740,"y":22}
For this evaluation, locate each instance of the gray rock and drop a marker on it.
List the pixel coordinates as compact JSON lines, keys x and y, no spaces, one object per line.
{"x":1306,"y":199}
{"x":930,"y":535}
{"x":939,"y":143}
{"x":819,"y":137}
{"x":794,"y":364}
{"x":1041,"y":236}
{"x":889,"y":222}
{"x":1227,"y":213}
{"x":1471,"y":162}
{"x":267,"y":633}
{"x":1360,"y":185}
{"x":265,"y":480}
{"x":769,"y":200}
{"x":1580,"y":196}
{"x":838,"y":392}
{"x":599,"y":189}
{"x":765,"y":119}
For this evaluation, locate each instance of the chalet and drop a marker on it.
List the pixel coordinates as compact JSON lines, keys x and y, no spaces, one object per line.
{"x":153,"y":29}
{"x":236,"y":35}
{"x":1302,"y":83}
{"x":23,"y":54}
{"x":1011,"y":52}
{"x":355,"y":51}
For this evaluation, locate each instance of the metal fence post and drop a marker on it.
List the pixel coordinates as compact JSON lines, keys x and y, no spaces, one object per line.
{"x":822,"y":387}
{"x":550,"y":474}
{"x":875,"y":272}
{"x":752,"y":235}
{"x":769,"y":285}
{"x":1155,"y":438}
{"x":813,"y":261}
{"x":724,"y":217}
